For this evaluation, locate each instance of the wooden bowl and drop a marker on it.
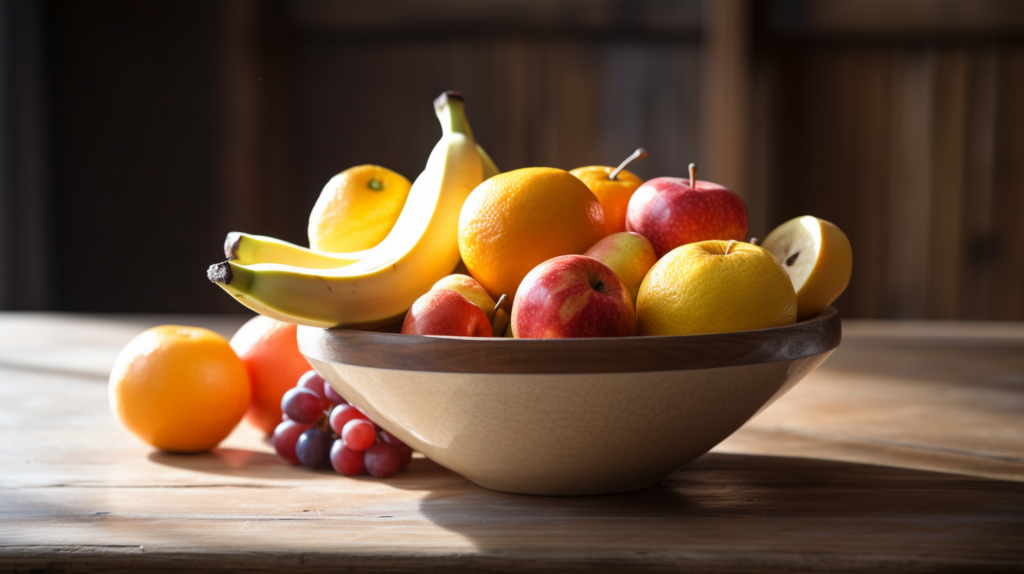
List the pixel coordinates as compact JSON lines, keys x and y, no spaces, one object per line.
{"x":567,"y":416}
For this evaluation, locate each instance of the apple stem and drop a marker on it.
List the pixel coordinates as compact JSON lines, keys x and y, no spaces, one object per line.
{"x":753,"y":241}
{"x":500,"y":301}
{"x":693,"y":176}
{"x":728,"y":247}
{"x":638,"y":155}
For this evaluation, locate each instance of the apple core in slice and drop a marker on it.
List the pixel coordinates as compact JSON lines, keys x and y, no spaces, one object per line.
{"x":818,"y":257}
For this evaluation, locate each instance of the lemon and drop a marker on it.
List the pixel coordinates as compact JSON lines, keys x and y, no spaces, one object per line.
{"x":357,"y":209}
{"x":818,"y":257}
{"x":714,"y":287}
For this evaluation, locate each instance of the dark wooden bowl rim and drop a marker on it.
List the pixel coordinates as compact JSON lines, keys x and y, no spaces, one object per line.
{"x":600,"y":355}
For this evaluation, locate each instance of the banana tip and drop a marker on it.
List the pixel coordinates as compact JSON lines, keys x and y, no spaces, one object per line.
{"x":231,"y":245}
{"x":220,"y":273}
{"x":442,"y":100}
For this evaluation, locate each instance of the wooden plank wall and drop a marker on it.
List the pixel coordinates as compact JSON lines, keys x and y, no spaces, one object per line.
{"x":914,"y":147}
{"x":901,"y":120}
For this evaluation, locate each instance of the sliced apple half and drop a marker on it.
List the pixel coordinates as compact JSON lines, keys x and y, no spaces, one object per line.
{"x":818,"y":257}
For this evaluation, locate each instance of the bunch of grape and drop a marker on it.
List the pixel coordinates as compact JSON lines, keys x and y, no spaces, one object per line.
{"x":321,"y":430}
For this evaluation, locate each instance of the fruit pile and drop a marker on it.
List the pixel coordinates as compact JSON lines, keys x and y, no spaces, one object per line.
{"x":544,"y":253}
{"x":321,"y":430}
{"x":465,"y":250}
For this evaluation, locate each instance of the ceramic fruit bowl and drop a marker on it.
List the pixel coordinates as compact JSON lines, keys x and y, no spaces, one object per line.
{"x":567,"y":416}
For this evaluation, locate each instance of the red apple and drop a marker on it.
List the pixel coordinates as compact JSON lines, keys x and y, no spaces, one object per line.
{"x":572,"y":296}
{"x":445,"y":312}
{"x":673,"y":211}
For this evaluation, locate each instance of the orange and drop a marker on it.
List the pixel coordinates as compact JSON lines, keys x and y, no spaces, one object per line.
{"x":180,"y":389}
{"x":613,"y":194}
{"x":519,"y":219}
{"x":357,"y":209}
{"x":715,"y":287}
{"x":270,"y":351}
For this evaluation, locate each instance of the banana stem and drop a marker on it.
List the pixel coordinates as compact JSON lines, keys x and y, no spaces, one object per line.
{"x":451,"y":112}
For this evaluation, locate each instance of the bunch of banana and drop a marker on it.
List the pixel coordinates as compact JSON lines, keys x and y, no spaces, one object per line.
{"x":369,"y":288}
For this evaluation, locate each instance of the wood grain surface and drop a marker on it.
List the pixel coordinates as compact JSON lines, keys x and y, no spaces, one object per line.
{"x":904,"y":451}
{"x":600,"y":355}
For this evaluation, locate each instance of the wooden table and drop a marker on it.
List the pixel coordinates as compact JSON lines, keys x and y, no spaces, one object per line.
{"x":904,"y":451}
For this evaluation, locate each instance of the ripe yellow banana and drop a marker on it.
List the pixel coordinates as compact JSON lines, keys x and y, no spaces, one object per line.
{"x":384,"y":282}
{"x":245,"y":249}
{"x":456,"y":115}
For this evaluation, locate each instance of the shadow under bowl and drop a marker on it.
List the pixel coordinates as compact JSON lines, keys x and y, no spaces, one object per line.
{"x":567,"y":416}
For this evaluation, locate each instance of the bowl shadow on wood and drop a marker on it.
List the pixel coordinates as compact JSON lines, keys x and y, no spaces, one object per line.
{"x":753,"y":504}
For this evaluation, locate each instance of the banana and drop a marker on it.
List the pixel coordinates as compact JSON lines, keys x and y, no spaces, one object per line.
{"x":383,"y":282}
{"x":245,"y":249}
{"x":445,"y":113}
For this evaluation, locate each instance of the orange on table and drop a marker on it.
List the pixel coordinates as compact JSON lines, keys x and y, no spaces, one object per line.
{"x":180,"y":389}
{"x":519,"y":219}
{"x":613,"y":194}
{"x":357,"y":209}
{"x":270,"y":352}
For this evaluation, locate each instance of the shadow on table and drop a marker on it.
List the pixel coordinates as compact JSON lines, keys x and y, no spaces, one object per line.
{"x":733,"y":502}
{"x":236,"y":462}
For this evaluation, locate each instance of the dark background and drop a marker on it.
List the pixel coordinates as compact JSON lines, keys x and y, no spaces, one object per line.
{"x":135,"y":135}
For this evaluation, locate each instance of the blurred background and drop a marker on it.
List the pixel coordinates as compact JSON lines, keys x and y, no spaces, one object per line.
{"x":135,"y":135}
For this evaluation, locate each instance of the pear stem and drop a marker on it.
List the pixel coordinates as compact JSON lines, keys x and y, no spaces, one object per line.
{"x":638,"y":155}
{"x":693,"y":176}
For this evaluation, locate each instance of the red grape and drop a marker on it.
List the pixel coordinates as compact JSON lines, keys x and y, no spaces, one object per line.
{"x":404,"y":456}
{"x":390,"y":438}
{"x":381,"y":460}
{"x":342,"y":414}
{"x":302,"y":405}
{"x":332,"y":395}
{"x":359,"y":434}
{"x":313,"y":448}
{"x":345,"y":460}
{"x":285,"y":436}
{"x":314,"y":382}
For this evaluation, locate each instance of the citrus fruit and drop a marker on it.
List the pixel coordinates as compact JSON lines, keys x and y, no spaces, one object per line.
{"x":818,"y":257}
{"x":613,"y":194}
{"x":519,"y":219}
{"x":270,"y":352}
{"x":180,"y":389}
{"x":357,"y":209}
{"x":714,"y":287}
